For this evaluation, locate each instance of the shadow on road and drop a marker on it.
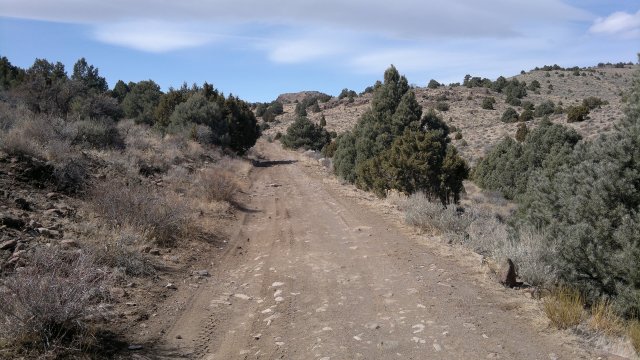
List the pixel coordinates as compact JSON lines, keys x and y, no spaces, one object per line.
{"x":270,"y":163}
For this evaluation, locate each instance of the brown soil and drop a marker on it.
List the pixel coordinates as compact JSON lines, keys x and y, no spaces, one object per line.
{"x":319,"y":270}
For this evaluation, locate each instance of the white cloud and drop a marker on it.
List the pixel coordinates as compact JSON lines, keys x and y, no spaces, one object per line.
{"x":415,"y":19}
{"x":619,"y":23}
{"x":152,"y":36}
{"x":297,"y":51}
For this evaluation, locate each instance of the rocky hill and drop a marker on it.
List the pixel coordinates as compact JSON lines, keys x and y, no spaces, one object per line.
{"x":481,"y":128}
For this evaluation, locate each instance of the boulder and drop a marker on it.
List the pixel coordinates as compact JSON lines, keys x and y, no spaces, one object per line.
{"x":507,"y":274}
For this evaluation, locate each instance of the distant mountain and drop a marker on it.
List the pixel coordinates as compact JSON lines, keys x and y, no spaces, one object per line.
{"x":290,"y":98}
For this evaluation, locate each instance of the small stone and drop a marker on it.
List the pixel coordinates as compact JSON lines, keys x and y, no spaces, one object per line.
{"x":257,"y":336}
{"x":9,"y":244}
{"x":201,"y":273}
{"x":117,"y":292}
{"x":53,"y":212}
{"x":18,"y":253}
{"x":171,"y":286}
{"x":11,"y":222}
{"x":70,"y":243}
{"x":53,"y":196}
{"x":178,"y":337}
{"x":48,"y":232}
{"x":135,"y":347}
{"x":34,"y":224}
{"x":154,"y":251}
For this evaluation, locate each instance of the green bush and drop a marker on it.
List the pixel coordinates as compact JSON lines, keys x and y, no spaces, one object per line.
{"x":487,"y":103}
{"x":535,"y":85}
{"x":513,"y":101}
{"x":528,"y":105}
{"x":198,"y":110}
{"x":442,"y":106}
{"x":590,"y":208}
{"x":330,"y":149}
{"x":546,"y":107}
{"x":526,"y":115}
{"x":577,"y":113}
{"x":99,"y":133}
{"x":346,"y":93}
{"x":510,"y":116}
{"x":433,"y":84}
{"x":305,"y":134}
{"x":593,"y":102}
{"x":521,"y":133}
{"x":392,"y":147}
{"x":140,"y":103}
{"x":509,"y":165}
{"x":95,"y":106}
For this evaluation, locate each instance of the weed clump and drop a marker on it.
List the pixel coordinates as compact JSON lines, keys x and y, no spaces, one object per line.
{"x":564,"y":308}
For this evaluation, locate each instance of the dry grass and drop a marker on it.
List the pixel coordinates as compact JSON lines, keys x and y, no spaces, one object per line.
{"x":164,"y":218}
{"x":633,"y":331}
{"x":604,"y":319}
{"x":217,"y":184}
{"x":528,"y":251}
{"x":119,"y":249}
{"x":43,"y":304}
{"x":564,"y":307}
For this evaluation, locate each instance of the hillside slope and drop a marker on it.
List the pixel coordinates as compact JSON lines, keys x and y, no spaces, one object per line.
{"x":481,"y":129}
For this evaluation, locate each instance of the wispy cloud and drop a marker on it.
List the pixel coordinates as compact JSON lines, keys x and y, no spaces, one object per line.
{"x":619,"y":23}
{"x":415,"y":19}
{"x":152,"y":36}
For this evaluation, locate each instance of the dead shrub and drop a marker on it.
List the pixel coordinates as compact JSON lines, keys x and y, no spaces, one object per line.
{"x":217,"y":184}
{"x":14,"y":143}
{"x":97,"y":133}
{"x":422,"y":212}
{"x":163,"y":220}
{"x":118,"y":249}
{"x":481,"y":230}
{"x":564,"y":307}
{"x":43,"y":305}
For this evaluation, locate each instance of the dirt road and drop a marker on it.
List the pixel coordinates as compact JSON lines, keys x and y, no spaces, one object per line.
{"x":312,"y":274}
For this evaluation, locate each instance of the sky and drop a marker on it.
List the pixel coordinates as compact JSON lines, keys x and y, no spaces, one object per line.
{"x":260,"y":49}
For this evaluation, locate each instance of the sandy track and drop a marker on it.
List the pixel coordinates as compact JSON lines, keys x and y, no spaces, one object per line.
{"x":312,"y":274}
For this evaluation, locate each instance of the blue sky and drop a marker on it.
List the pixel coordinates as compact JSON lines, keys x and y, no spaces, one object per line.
{"x":259,"y":49}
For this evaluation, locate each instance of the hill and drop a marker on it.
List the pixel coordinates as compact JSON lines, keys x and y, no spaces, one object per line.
{"x":481,"y":129}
